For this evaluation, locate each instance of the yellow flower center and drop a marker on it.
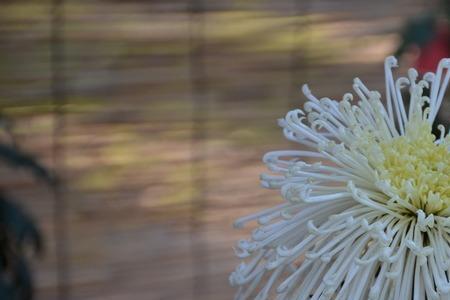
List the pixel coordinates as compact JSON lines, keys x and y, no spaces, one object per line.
{"x":418,"y":169}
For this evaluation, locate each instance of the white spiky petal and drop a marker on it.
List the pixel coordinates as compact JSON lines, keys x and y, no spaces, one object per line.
{"x":367,"y":210}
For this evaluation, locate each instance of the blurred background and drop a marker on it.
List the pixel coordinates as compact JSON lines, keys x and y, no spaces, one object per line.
{"x":132,"y":131}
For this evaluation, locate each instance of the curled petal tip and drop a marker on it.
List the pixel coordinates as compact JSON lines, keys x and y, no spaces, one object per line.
{"x":305,"y":89}
{"x":412,"y":73}
{"x":390,"y":61}
{"x":238,"y":224}
{"x":444,"y":63}
{"x":429,"y":76}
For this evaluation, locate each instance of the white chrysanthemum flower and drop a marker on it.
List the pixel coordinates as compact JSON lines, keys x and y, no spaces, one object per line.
{"x":367,"y":210}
